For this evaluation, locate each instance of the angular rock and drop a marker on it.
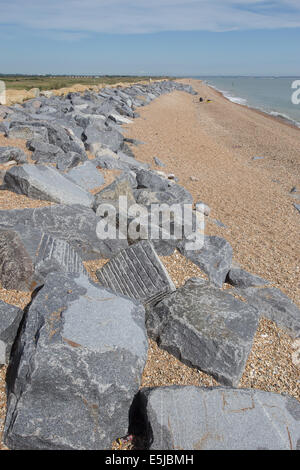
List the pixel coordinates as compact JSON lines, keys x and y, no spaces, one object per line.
{"x":220,"y":418}
{"x":86,"y":176}
{"x":8,"y":154}
{"x":111,"y":193}
{"x":46,"y":183}
{"x":214,"y":258}
{"x":44,"y":152}
{"x":275,"y":305}
{"x":238,"y":277}
{"x":175,"y":194}
{"x":27,"y":255}
{"x":68,"y":160}
{"x":19,"y":131}
{"x":10,"y":318}
{"x":138,"y":273}
{"x":297,"y":206}
{"x":76,"y":224}
{"x":111,"y":138}
{"x":206,"y":328}
{"x":72,"y":387}
{"x":151,"y":180}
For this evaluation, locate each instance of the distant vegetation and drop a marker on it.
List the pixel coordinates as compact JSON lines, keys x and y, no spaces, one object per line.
{"x":54,"y":82}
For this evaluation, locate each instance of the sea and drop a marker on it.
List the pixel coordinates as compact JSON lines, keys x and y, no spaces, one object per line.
{"x":272,"y":95}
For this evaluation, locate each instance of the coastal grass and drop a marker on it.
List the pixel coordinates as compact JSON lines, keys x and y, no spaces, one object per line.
{"x":55,"y":82}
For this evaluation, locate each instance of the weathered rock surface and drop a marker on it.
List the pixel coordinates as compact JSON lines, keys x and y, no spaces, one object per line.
{"x":138,"y":273}
{"x":111,"y":193}
{"x":27,"y":255}
{"x":198,"y":418}
{"x":238,"y":277}
{"x":8,"y":154}
{"x":10,"y":318}
{"x":46,"y":183}
{"x":68,"y":160}
{"x":87,"y":176}
{"x":72,"y":387}
{"x":76,"y":224}
{"x":214,"y":258}
{"x":150,"y":179}
{"x":44,"y":152}
{"x":275,"y":305}
{"x":206,"y":328}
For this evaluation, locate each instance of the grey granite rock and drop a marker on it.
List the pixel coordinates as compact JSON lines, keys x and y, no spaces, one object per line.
{"x":68,"y":160}
{"x":10,"y":318}
{"x":86,"y":176}
{"x":238,"y":277}
{"x":8,"y":154}
{"x":109,"y":137}
{"x":76,"y":224}
{"x":214,"y":258}
{"x":46,"y":183}
{"x":44,"y":152}
{"x":175,"y":194}
{"x":27,"y":255}
{"x":138,"y":273}
{"x":275,"y":305}
{"x":206,"y":328}
{"x":151,"y":180}
{"x":111,"y":193}
{"x":23,"y":131}
{"x":222,"y":418}
{"x":297,"y":206}
{"x":72,"y":387}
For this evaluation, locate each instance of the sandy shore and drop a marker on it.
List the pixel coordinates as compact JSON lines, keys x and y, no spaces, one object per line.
{"x":214,"y":143}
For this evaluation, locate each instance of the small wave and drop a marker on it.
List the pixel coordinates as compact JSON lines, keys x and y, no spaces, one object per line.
{"x":244,"y":102}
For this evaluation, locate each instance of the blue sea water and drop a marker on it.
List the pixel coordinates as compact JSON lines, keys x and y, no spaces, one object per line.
{"x":272,"y":95}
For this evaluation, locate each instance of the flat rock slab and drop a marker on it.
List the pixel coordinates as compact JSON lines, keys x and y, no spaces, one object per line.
{"x":46,"y":183}
{"x":196,"y":418}
{"x":27,"y":255}
{"x":275,"y":305}
{"x":10,"y":318}
{"x":72,"y":387}
{"x":138,"y":273}
{"x":214,"y":258}
{"x":86,"y":176}
{"x":206,"y":328}
{"x":76,"y":224}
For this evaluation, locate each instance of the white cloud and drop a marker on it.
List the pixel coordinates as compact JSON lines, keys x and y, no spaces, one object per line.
{"x":147,"y":16}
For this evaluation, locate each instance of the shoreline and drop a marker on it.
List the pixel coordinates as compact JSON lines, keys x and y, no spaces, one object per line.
{"x":284,"y":120}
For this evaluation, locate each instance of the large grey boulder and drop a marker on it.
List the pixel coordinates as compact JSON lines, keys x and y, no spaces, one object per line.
{"x":68,"y":160}
{"x":44,"y":152}
{"x":86,"y":176}
{"x":275,"y":305}
{"x":214,"y":258}
{"x":151,"y":180}
{"x":111,"y":193}
{"x":10,"y":318}
{"x":138,"y":273}
{"x":72,"y":387}
{"x":220,"y":418}
{"x":46,"y":183}
{"x":76,"y":224}
{"x":8,"y":154}
{"x":175,"y":194}
{"x":27,"y":255}
{"x":109,"y":137}
{"x":238,"y":277}
{"x":27,"y":131}
{"x":206,"y":328}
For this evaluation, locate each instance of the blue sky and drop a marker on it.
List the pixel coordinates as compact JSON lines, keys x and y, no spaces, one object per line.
{"x":179,"y":37}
